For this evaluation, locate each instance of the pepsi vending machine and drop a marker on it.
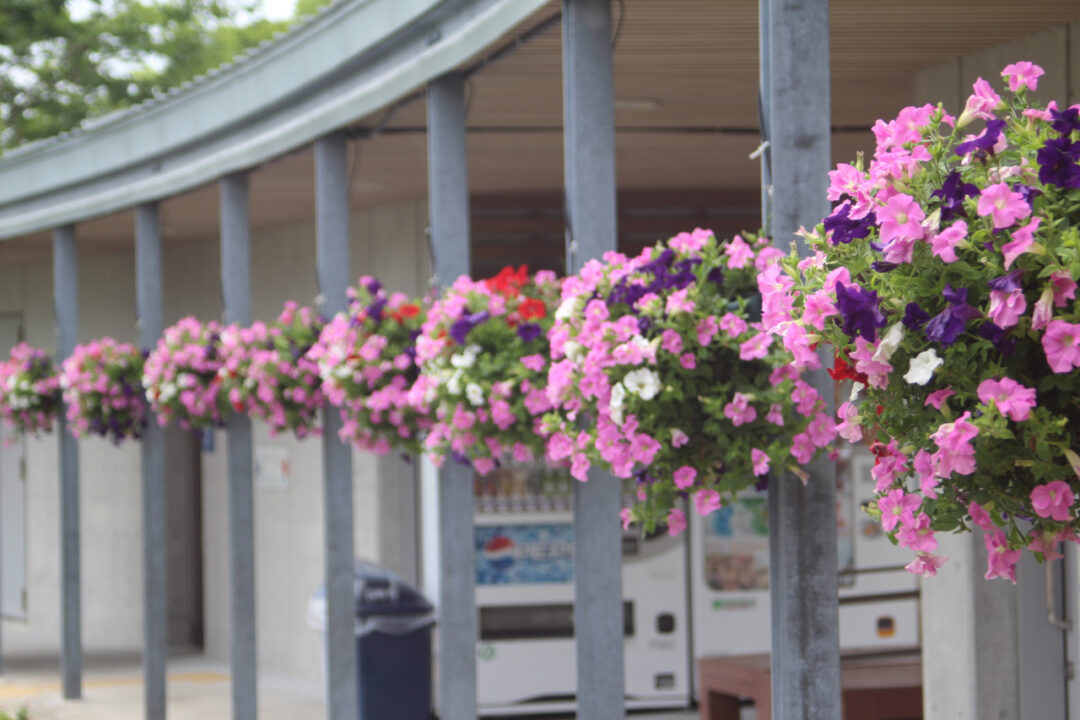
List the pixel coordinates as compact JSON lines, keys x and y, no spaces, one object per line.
{"x":729,"y":574}
{"x":525,"y":600}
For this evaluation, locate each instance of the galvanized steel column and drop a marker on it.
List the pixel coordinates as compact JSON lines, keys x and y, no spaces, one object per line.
{"x":589,"y":139}
{"x":236,"y":289}
{"x":448,"y":209}
{"x":66,"y":295}
{"x":332,"y":260}
{"x":802,"y":518}
{"x":148,"y":293}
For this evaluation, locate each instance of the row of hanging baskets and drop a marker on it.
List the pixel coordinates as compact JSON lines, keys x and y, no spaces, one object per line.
{"x":942,"y":285}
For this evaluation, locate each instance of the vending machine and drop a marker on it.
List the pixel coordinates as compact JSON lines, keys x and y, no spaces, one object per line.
{"x":729,"y":574}
{"x":526,"y":660}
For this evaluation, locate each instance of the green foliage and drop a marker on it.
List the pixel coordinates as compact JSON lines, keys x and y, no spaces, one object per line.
{"x":57,"y":70}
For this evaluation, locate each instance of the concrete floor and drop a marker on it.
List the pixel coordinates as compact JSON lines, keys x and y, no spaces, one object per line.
{"x":198,"y":690}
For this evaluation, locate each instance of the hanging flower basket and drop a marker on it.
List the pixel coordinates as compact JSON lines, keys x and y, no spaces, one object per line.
{"x":661,"y":372}
{"x":181,"y":376}
{"x":102,"y":390}
{"x":945,"y":279}
{"x":367,"y":361}
{"x":29,"y":390}
{"x":484,"y":352}
{"x":268,"y":375}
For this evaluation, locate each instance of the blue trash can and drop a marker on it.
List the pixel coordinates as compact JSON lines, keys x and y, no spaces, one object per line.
{"x":393,"y":644}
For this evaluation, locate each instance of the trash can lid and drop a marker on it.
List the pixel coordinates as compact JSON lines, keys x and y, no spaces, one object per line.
{"x":377,"y":592}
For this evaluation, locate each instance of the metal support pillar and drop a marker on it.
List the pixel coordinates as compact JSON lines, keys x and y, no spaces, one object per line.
{"x":589,"y":139}
{"x":236,"y":289}
{"x":802,"y":518}
{"x":66,"y":294}
{"x":148,"y":293}
{"x":332,"y":260}
{"x":448,"y":208}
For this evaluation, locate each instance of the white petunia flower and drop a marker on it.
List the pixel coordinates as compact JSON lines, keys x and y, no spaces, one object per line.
{"x":573,"y":350}
{"x":568,"y":308}
{"x":642,"y":382}
{"x":889,"y":343}
{"x":475,"y":394}
{"x":618,"y":395}
{"x":856,"y":390}
{"x":922,"y":367}
{"x":453,"y":385}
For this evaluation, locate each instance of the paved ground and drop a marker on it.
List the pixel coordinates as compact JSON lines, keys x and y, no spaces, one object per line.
{"x":198,"y":690}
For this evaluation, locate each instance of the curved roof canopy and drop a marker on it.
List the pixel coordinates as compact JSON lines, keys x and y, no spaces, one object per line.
{"x":351,"y":60}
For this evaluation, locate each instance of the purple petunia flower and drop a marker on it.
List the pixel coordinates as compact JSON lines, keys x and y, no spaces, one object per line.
{"x":1065,"y":121}
{"x":995,"y":334}
{"x":985,"y":141}
{"x":914,"y":316}
{"x":528,"y":331}
{"x":948,"y":325}
{"x":952,"y":194}
{"x":1058,"y":163}
{"x":883,"y":266}
{"x":844,"y":229}
{"x":716,"y":276}
{"x":460,"y":330}
{"x":1008,"y":282}
{"x":860,"y":310}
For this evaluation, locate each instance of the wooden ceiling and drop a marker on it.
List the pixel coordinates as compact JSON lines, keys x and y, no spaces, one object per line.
{"x":686,"y":76}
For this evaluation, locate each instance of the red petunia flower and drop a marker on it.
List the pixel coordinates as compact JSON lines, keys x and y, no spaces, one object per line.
{"x":408,"y":310}
{"x":532,"y":308}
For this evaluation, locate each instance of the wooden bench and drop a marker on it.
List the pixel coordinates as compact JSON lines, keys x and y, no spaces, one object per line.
{"x":878,"y":686}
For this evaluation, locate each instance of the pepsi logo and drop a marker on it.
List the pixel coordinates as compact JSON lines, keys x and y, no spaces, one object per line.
{"x":499,"y":552}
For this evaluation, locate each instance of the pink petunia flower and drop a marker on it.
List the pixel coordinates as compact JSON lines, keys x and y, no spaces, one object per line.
{"x":1010,"y":397}
{"x":760,"y":460}
{"x":739,"y":410}
{"x":756,"y":347}
{"x":1061,"y":343}
{"x":684,"y":477}
{"x":917,"y":535}
{"x":1006,"y":307}
{"x":1022,"y":74}
{"x":980,"y":105}
{"x":897,"y":506}
{"x":775,"y":415}
{"x":671,"y":341}
{"x":676,"y":522}
{"x":1053,"y":500}
{"x":1022,"y":239}
{"x":739,"y":253}
{"x":1002,"y":204}
{"x":955,"y":453}
{"x":1064,"y":287}
{"x":678,"y":438}
{"x":706,"y":501}
{"x":979,"y":516}
{"x":939,"y":396}
{"x":802,"y":447}
{"x":849,"y":427}
{"x":733,"y":325}
{"x":1001,"y":561}
{"x":925,"y":564}
{"x":901,"y":217}
{"x":688,"y":361}
{"x":944,"y":243}
{"x":706,"y":330}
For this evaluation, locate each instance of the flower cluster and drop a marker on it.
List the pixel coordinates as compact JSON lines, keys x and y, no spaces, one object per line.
{"x":102,"y":390}
{"x":945,"y":280}
{"x":266,"y":372}
{"x":661,"y":370}
{"x":29,"y":390}
{"x":483,"y":352}
{"x":367,"y":361}
{"x":181,"y":376}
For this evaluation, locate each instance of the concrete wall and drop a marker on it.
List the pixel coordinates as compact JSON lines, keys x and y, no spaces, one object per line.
{"x":388,"y":242}
{"x":1056,"y":50}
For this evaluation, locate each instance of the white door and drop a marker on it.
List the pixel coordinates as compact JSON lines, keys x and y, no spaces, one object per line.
{"x":12,"y":500}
